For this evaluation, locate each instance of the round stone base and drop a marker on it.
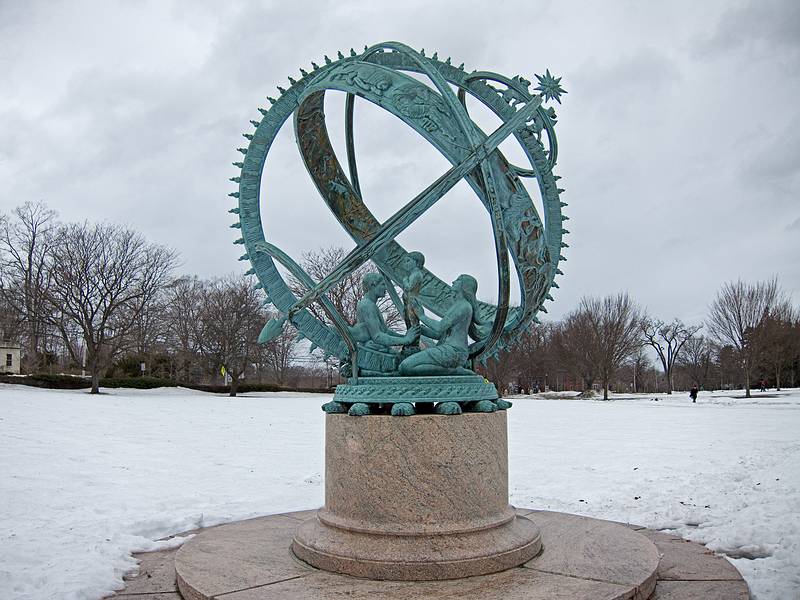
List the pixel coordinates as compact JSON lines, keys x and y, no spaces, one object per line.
{"x":581,"y":558}
{"x":430,"y":557}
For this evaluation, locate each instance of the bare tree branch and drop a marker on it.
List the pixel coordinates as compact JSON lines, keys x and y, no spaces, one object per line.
{"x":696,"y":360}
{"x":25,"y":243}
{"x":667,"y":339}
{"x":609,"y":330}
{"x":346,"y":293}
{"x":734,"y":315}
{"x":102,"y":278}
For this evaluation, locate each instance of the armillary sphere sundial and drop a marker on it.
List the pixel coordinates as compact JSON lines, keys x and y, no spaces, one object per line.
{"x":378,"y":361}
{"x":413,"y":501}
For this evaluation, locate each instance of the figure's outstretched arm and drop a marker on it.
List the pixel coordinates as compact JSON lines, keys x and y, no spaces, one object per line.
{"x":390,"y":338}
{"x":431,"y":326}
{"x":428,"y":332}
{"x":380,"y":334}
{"x":428,"y":340}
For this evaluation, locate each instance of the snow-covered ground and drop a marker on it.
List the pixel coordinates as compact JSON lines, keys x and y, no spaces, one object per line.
{"x":87,"y":480}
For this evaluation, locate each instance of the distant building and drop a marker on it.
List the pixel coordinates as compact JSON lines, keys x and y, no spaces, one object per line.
{"x":9,"y":358}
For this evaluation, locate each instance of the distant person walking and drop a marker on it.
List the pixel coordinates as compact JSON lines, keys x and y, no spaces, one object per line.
{"x":693,"y":393}
{"x":763,"y":385}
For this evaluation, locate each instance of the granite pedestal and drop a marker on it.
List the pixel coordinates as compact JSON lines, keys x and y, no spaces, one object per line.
{"x":416,"y":498}
{"x":417,"y":507}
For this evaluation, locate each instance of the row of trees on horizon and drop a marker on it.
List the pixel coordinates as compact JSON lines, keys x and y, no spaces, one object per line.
{"x":99,"y":298}
{"x":750,"y":336}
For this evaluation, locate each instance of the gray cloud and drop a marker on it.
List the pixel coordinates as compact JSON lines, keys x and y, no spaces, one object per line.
{"x":675,"y":114}
{"x":757,"y":26}
{"x":642,"y":70}
{"x":776,"y":164}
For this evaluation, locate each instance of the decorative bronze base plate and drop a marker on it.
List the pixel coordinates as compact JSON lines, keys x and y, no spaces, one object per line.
{"x":390,"y":390}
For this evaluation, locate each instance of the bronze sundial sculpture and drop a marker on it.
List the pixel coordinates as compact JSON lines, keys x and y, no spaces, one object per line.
{"x":385,"y":368}
{"x":411,"y":502}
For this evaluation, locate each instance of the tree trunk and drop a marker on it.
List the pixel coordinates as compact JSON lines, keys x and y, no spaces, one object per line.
{"x":93,"y":365}
{"x":747,"y":378}
{"x":234,"y":386}
{"x":605,"y":389}
{"x":777,"y":380}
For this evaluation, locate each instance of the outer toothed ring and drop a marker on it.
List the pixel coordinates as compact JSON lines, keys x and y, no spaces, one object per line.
{"x":439,"y":114}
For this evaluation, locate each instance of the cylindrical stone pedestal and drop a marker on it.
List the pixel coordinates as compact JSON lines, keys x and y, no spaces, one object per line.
{"x":416,"y":498}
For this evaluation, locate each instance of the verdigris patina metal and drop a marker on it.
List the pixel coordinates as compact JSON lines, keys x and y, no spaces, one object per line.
{"x":450,"y":354}
{"x":412,"y":287}
{"x":371,"y":334}
{"x":375,"y":358}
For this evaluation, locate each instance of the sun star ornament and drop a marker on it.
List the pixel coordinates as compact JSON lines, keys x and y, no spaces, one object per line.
{"x":550,"y":86}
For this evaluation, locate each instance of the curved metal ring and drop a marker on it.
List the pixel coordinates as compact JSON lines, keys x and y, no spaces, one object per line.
{"x":533,"y":248}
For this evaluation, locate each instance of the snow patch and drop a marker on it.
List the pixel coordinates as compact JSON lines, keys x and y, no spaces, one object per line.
{"x":88,"y":480}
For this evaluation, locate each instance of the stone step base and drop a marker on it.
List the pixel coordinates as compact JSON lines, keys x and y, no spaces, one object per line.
{"x":686,"y":571}
{"x":581,"y":558}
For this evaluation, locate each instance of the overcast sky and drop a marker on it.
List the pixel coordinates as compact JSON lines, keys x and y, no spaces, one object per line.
{"x":679,"y":138}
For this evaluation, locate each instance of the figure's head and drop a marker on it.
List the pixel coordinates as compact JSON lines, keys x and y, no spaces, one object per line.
{"x":466,"y":285}
{"x":373,"y":282}
{"x":414,"y":260}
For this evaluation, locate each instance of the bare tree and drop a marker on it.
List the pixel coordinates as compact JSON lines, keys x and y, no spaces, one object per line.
{"x":25,"y":244}
{"x":501,"y":370}
{"x":614,"y":322}
{"x":794,"y":362}
{"x":639,"y":364}
{"x":696,"y":360}
{"x":347,"y":292}
{"x":279,"y":355}
{"x":11,"y":321}
{"x":575,"y":343}
{"x":727,"y":367}
{"x":775,"y":339}
{"x":230,"y":317}
{"x":102,"y":278}
{"x":534,"y":355}
{"x":148,"y":331}
{"x":183,"y":300}
{"x":736,"y":313}
{"x":667,"y":339}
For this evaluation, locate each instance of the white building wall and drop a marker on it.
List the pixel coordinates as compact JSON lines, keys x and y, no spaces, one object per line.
{"x":9,"y":359}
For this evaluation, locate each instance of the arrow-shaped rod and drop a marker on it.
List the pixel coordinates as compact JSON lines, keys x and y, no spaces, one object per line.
{"x":399,"y":221}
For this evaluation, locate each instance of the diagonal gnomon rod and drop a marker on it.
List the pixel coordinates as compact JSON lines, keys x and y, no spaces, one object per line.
{"x":403,"y":218}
